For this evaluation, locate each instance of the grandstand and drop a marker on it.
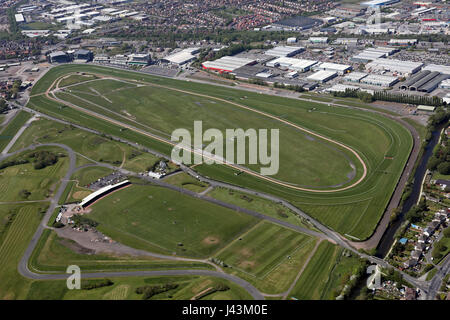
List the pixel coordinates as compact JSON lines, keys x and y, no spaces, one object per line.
{"x":90,"y":199}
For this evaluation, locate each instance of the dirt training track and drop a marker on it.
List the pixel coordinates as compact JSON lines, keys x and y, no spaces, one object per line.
{"x":50,"y":94}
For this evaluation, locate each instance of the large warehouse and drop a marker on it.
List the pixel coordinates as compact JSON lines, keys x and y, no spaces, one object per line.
{"x":355,"y":76}
{"x":292,"y":63}
{"x":438,"y":67}
{"x":395,"y":66}
{"x":371,"y":54}
{"x":379,"y":80}
{"x":333,"y":67}
{"x":322,"y":76}
{"x":284,"y":51}
{"x":378,"y":3}
{"x":182,"y":57}
{"x":227,"y":64}
{"x":424,"y":81}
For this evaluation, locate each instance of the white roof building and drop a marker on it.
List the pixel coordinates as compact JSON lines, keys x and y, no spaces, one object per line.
{"x":19,"y":18}
{"x":379,"y":80}
{"x":393,"y":65}
{"x":437,"y":67}
{"x":284,"y":51}
{"x":227,"y":63}
{"x":181,"y":57}
{"x":355,"y":76}
{"x":322,"y":76}
{"x":292,"y":63}
{"x":334,"y":67}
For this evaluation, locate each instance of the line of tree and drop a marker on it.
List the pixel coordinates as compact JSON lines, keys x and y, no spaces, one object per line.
{"x":406,"y":98}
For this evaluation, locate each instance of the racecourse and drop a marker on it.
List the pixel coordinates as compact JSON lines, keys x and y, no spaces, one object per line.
{"x":382,"y":144}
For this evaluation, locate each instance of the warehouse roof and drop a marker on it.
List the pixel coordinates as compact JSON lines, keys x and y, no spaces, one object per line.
{"x":438,"y":67}
{"x":180,"y":57}
{"x":227,"y":63}
{"x":395,"y":65}
{"x":322,"y":75}
{"x":333,"y":66}
{"x":355,"y":76}
{"x":283,"y":51}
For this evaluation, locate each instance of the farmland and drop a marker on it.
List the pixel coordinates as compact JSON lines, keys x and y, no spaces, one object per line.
{"x":377,"y":140}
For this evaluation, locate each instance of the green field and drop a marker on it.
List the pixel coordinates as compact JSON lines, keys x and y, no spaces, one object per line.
{"x":39,"y":183}
{"x":124,"y":289}
{"x":88,"y":144}
{"x":166,"y":221}
{"x":257,"y":204}
{"x":382,"y":143}
{"x":268,"y":256}
{"x":55,"y":254}
{"x":313,"y":280}
{"x":187,"y":182}
{"x":20,"y":232}
{"x":7,"y":133}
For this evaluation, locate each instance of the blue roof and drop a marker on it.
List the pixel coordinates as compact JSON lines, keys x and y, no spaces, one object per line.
{"x":403,"y":240}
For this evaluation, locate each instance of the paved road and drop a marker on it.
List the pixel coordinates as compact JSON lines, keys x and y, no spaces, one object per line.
{"x":436,"y":282}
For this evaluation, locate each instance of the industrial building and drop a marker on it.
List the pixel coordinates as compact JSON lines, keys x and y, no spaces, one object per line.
{"x":83,"y":55}
{"x":445,"y":84}
{"x":182,"y":57}
{"x":333,"y":67}
{"x":371,"y":54}
{"x":292,"y":64}
{"x":58,"y":57}
{"x":341,"y":88}
{"x":140,"y":59}
{"x":247,"y":72}
{"x":318,"y":39}
{"x":379,"y":80}
{"x":284,"y":51}
{"x":438,"y":68}
{"x":395,"y":66}
{"x":355,"y":76}
{"x":378,"y":3}
{"x":424,"y":81}
{"x":19,"y":18}
{"x":227,"y":64}
{"x":322,"y":76}
{"x":402,"y":42}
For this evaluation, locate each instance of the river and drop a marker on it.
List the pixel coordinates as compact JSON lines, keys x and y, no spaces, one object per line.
{"x":388,"y":236}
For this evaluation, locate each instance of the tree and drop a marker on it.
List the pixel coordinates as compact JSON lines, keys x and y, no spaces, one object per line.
{"x":444,"y":168}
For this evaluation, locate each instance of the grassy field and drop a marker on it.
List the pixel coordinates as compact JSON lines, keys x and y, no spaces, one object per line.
{"x":151,"y":107}
{"x":22,"y":228}
{"x":55,"y":254}
{"x":312,"y":282}
{"x":268,"y":256}
{"x":164,"y":220}
{"x":125,"y":289}
{"x":257,"y":204}
{"x":186,"y":181}
{"x":7,"y":133}
{"x":382,"y":143}
{"x":88,"y":144}
{"x":40,"y":184}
